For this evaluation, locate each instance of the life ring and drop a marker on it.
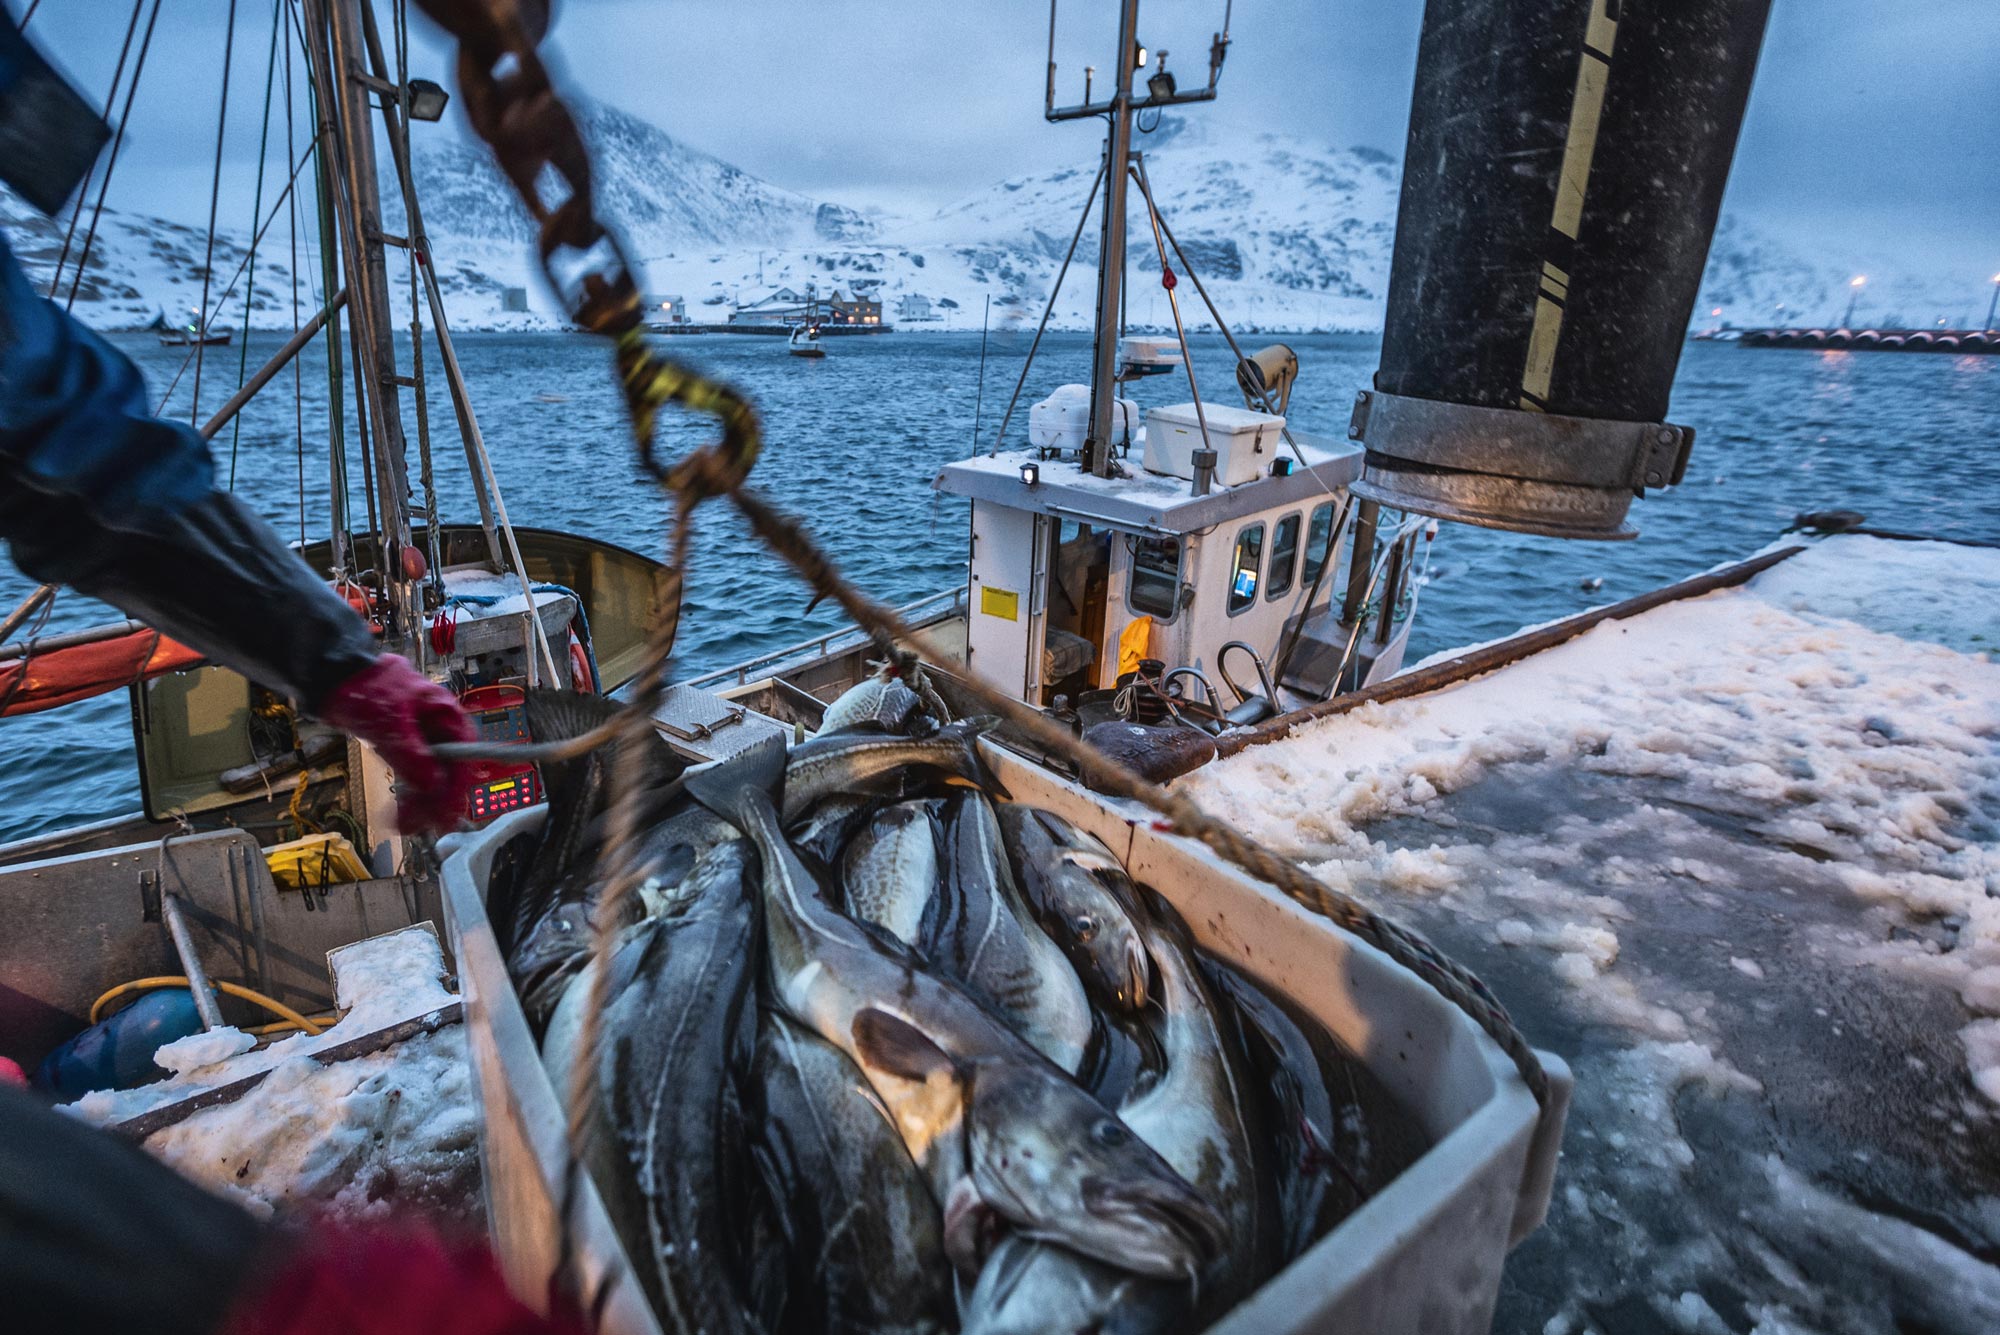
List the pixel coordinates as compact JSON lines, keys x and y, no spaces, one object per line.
{"x":580,"y":679}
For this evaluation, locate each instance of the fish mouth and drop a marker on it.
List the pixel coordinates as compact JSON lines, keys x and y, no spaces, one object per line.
{"x":1167,"y":1231}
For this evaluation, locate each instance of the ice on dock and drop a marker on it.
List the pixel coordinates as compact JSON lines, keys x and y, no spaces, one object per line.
{"x":1738,"y":860}
{"x":395,"y":1130}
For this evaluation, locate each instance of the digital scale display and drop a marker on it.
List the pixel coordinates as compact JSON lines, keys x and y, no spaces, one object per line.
{"x":500,"y":713}
{"x":497,"y":796}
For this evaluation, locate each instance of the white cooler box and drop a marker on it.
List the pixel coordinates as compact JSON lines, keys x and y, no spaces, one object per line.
{"x":1062,"y":420}
{"x":1245,"y":442}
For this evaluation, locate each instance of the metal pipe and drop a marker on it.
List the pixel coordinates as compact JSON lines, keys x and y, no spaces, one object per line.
{"x":1392,"y":590}
{"x":279,"y":361}
{"x":1111,"y":245}
{"x":1360,"y":556}
{"x":204,"y":999}
{"x":69,"y":639}
{"x":1204,"y":470}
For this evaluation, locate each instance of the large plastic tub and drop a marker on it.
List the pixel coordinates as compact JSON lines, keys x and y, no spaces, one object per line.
{"x":1424,"y":1255}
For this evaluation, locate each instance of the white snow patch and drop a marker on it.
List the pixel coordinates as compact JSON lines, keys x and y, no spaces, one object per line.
{"x":1691,"y":1314}
{"x":1982,"y":990}
{"x":1574,"y":968}
{"x":363,"y":1137}
{"x":1982,"y":1050}
{"x":1785,"y":697}
{"x":203,"y":1049}
{"x":1748,"y":968}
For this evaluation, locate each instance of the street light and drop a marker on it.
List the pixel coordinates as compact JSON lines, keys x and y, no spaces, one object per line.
{"x":1853,"y":295}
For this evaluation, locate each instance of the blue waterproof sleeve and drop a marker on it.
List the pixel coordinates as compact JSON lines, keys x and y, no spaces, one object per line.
{"x":97,"y":493}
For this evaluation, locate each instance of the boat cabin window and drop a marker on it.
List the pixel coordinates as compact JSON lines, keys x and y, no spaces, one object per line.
{"x":1156,"y":577}
{"x":1319,"y":542}
{"x":1284,"y":556}
{"x":1249,"y":560}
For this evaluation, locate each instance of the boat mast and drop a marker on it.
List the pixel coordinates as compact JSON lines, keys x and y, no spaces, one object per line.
{"x":1111,"y":248}
{"x":1118,"y":111}
{"x":334,"y":48}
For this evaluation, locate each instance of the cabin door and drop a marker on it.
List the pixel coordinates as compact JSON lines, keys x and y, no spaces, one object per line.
{"x":1077,"y":583}
{"x":1003,"y":621}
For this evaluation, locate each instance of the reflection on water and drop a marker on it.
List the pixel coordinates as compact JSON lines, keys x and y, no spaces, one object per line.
{"x":854,"y":440}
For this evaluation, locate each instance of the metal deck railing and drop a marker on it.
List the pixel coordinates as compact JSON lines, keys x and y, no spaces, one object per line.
{"x":925,"y":611}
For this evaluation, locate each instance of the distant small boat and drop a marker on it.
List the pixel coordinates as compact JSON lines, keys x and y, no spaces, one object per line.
{"x":804,"y":342}
{"x":1142,"y":357}
{"x":188,"y":338}
{"x":189,"y":335}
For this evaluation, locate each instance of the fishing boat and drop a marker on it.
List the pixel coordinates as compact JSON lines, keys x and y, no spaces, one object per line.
{"x":212,"y":338}
{"x":804,"y":341}
{"x":265,"y":845}
{"x":1128,"y":567}
{"x":1141,"y":357}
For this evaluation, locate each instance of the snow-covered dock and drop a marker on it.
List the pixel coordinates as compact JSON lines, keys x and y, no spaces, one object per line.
{"x":1738,"y":860}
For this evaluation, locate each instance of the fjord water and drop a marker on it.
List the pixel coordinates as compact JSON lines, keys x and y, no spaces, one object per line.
{"x":853,"y":441}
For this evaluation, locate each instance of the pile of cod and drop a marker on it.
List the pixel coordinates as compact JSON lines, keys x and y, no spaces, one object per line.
{"x":885,"y":1052}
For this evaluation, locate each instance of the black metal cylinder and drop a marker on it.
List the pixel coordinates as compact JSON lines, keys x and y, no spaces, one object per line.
{"x":1565,"y":166}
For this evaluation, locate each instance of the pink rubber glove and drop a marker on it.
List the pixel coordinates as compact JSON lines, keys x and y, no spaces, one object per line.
{"x":400,"y":712}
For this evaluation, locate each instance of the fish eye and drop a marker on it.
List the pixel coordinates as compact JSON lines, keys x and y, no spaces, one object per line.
{"x":1084,"y":926}
{"x":1110,"y":1133}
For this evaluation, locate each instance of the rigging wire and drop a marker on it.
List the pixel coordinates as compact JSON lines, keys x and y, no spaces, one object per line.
{"x":214,"y":194}
{"x":256,"y":212}
{"x":1050,"y":308}
{"x":110,"y":97}
{"x":111,"y":159}
{"x":298,"y":371}
{"x":230,"y":288}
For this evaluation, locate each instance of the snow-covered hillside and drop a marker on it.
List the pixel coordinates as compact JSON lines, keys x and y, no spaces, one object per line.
{"x":1287,"y":234}
{"x":141,"y":267}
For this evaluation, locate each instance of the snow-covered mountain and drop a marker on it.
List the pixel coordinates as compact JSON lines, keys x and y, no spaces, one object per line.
{"x":1286,"y":234}
{"x":141,"y":267}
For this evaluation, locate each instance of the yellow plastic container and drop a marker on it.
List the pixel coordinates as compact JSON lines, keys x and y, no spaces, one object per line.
{"x":316,"y":860}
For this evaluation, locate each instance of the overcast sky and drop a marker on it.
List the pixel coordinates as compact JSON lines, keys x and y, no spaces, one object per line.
{"x":1873,"y":123}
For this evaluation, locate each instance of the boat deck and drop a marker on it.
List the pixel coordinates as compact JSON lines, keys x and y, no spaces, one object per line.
{"x":1737,"y":860}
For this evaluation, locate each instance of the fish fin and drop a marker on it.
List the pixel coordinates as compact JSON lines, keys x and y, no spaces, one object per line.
{"x":727,"y":787}
{"x":975,"y":770}
{"x":890,"y":1043}
{"x":557,"y":716}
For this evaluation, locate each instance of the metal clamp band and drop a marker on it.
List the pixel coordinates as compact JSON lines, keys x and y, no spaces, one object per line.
{"x":1531,"y":446}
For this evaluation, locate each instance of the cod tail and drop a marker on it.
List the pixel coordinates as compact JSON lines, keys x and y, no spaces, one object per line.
{"x":731,"y":788}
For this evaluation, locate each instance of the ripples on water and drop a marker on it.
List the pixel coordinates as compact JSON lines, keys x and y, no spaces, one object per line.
{"x":853,"y":441}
